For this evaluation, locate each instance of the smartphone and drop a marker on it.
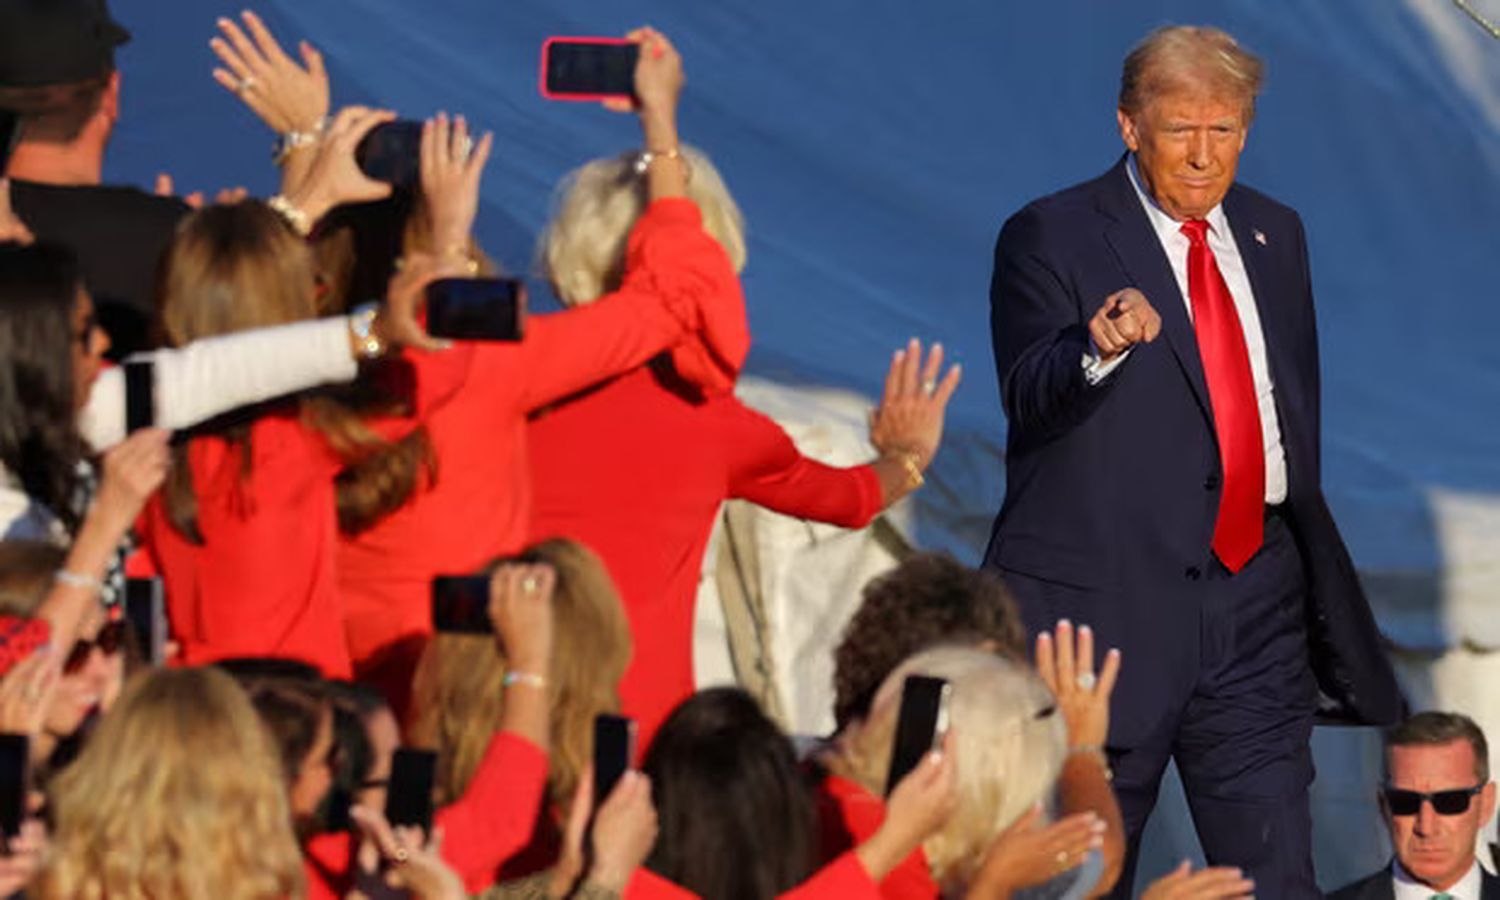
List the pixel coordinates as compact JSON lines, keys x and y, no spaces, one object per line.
{"x":15,"y":776}
{"x":920,"y":726}
{"x":392,"y":153}
{"x":461,"y":604}
{"x":140,"y":394}
{"x":588,"y":68}
{"x":614,"y":751}
{"x":408,"y":798}
{"x":10,"y":131}
{"x":476,"y":309}
{"x":146,"y":614}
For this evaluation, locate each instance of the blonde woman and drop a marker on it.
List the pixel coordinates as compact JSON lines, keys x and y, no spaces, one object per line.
{"x":179,"y":794}
{"x":1011,"y":743}
{"x":638,"y":467}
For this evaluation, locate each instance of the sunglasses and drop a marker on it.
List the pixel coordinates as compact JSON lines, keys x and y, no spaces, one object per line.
{"x":1444,"y":803}
{"x":109,"y":640}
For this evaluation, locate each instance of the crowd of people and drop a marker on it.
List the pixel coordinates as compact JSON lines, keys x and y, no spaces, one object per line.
{"x":314,"y":462}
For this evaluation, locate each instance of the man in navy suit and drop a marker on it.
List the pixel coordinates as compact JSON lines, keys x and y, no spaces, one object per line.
{"x":1157,"y":355}
{"x":1437,"y":798}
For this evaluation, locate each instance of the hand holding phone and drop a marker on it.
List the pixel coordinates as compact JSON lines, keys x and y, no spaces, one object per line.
{"x":920,"y":725}
{"x":476,"y":309}
{"x":614,"y":753}
{"x":461,"y":604}
{"x":588,"y":68}
{"x":408,"y":799}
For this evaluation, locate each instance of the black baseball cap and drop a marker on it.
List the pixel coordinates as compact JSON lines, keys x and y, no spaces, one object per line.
{"x":46,"y":42}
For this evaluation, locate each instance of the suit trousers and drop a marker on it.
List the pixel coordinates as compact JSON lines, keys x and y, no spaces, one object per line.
{"x":1239,"y":730}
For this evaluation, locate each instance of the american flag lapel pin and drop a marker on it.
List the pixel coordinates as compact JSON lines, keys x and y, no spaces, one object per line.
{"x":1260,"y":237}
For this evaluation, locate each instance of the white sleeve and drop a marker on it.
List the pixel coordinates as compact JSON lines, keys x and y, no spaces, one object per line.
{"x":215,"y":375}
{"x":1096,"y":370}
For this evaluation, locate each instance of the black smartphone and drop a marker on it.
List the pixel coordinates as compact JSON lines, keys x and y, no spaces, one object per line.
{"x":146,"y":614}
{"x":10,"y":131}
{"x":588,"y":68}
{"x":392,"y":152}
{"x":408,"y":798}
{"x":140,"y":394}
{"x":614,"y":750}
{"x":15,"y":776}
{"x":920,"y":725}
{"x":461,"y":604}
{"x":476,"y":309}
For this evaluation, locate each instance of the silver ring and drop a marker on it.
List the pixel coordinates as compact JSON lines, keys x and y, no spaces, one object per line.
{"x":466,"y":149}
{"x":245,"y":84}
{"x":929,"y":387}
{"x":529,"y":584}
{"x":400,"y":856}
{"x":1086,"y":681}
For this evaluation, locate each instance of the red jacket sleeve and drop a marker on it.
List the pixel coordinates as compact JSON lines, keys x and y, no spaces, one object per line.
{"x":678,"y":282}
{"x":495,"y":816}
{"x":766,"y":468}
{"x":843,"y":879}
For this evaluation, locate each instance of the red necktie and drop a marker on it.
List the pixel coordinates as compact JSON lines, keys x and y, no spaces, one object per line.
{"x":1240,"y":526}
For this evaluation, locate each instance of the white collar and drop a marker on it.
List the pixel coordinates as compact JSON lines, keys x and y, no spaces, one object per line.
{"x":1407,"y":886}
{"x":1164,"y":224}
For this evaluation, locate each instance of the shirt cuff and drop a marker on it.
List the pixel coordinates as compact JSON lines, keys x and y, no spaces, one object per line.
{"x":1095,"y":369}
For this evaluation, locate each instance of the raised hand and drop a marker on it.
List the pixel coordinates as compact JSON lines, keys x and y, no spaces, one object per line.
{"x":1031,"y":852}
{"x":1125,"y":319}
{"x":398,"y":323}
{"x":1067,"y":666}
{"x":411,"y":861}
{"x":334,"y":177}
{"x":451,"y":167}
{"x":1221,"y":883}
{"x":133,"y":470}
{"x":22,"y":858}
{"x":624,"y":832}
{"x":26,"y":692}
{"x":286,"y":96}
{"x":11,"y":227}
{"x":909,"y":419}
{"x":521,"y":612}
{"x":917,"y":809}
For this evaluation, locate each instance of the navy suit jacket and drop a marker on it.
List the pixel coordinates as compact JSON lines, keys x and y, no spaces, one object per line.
{"x":1381,"y":886}
{"x":1112,"y":489}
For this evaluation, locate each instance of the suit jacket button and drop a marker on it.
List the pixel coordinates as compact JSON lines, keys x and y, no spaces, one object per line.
{"x":1193,"y":573}
{"x":1211,"y":483}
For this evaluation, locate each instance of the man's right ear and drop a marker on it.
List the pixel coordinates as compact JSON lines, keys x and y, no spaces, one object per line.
{"x":1128,"y":132}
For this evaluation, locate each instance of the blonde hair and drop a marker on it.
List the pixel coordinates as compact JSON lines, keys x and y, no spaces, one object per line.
{"x":582,"y":249}
{"x":236,"y":266}
{"x":458,"y":694}
{"x":1195,"y":56}
{"x":1010,"y":746}
{"x":179,"y":793}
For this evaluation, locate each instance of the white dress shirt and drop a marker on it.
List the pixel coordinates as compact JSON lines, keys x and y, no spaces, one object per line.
{"x":1232,"y":267}
{"x":1408,"y":888}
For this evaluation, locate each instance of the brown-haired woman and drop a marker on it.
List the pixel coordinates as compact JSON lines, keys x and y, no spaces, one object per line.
{"x":461,"y":691}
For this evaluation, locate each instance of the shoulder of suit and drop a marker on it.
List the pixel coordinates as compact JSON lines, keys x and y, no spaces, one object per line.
{"x":1259,"y":202}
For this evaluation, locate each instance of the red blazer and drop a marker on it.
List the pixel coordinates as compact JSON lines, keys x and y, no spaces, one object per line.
{"x":848,"y":815}
{"x":678,"y":281}
{"x":636,"y":469}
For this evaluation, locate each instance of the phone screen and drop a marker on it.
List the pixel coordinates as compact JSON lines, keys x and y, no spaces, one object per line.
{"x":919,"y":726}
{"x":10,"y":130}
{"x":408,"y":799}
{"x":392,"y":152}
{"x":140,"y":394}
{"x":461,"y":604}
{"x":589,"y":68}
{"x":15,"y":756}
{"x":146,"y":613}
{"x":476,"y":309}
{"x":614,"y":749}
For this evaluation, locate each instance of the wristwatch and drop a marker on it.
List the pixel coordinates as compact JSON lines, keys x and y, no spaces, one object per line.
{"x":362,"y":324}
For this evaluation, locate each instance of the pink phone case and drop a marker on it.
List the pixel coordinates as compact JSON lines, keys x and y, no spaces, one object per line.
{"x":547,"y":50}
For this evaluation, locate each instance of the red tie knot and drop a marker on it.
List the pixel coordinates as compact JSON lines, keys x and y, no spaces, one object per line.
{"x":1196,"y":231}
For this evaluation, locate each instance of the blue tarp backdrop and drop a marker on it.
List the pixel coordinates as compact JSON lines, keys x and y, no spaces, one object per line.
{"x":876,"y":146}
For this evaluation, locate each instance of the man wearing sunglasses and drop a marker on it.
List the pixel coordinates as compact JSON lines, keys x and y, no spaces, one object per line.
{"x":1437,"y":797}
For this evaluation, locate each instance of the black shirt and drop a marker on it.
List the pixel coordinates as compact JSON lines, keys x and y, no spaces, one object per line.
{"x":119,"y":234}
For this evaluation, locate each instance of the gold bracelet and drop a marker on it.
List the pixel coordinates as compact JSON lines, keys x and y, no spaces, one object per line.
{"x":909,"y":460}
{"x":460,"y":252}
{"x":647,"y":157}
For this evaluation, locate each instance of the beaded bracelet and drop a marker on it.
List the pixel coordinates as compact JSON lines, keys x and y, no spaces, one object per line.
{"x":528,"y":679}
